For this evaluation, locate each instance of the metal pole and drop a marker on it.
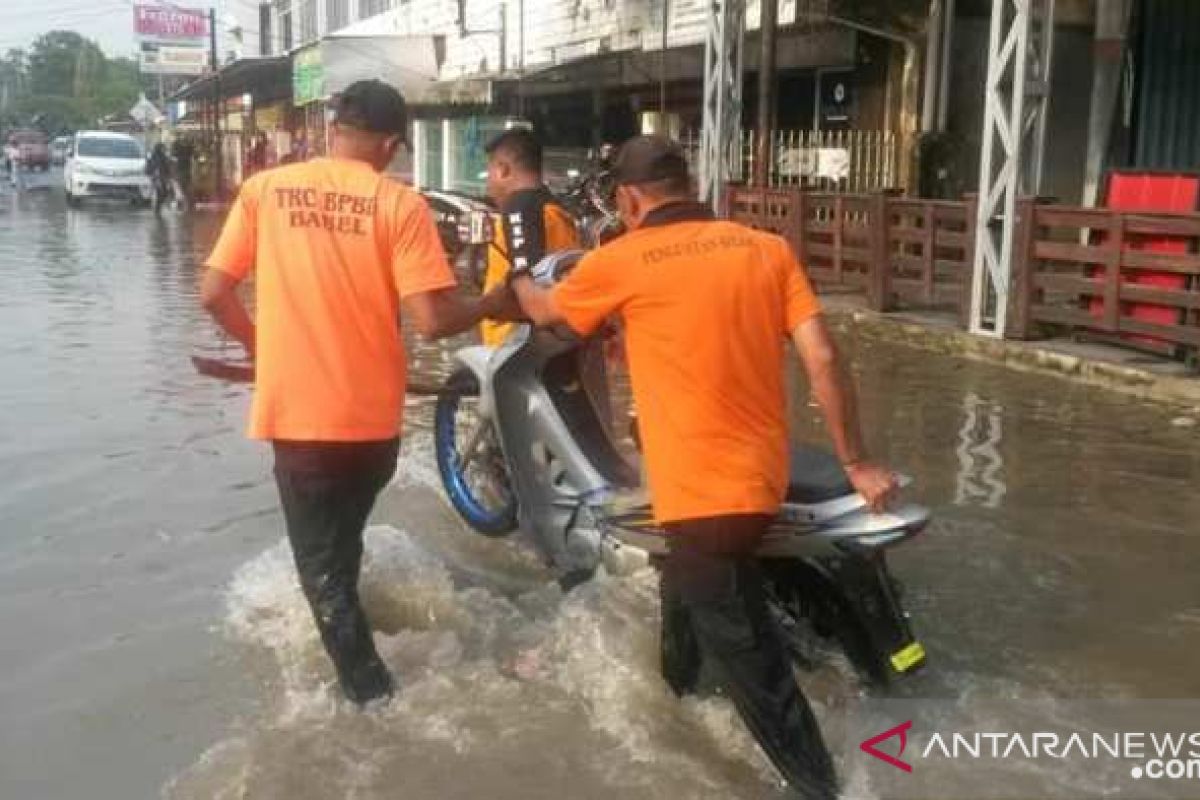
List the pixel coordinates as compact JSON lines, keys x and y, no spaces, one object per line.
{"x":943,"y":109}
{"x":1112,"y":26}
{"x":662,"y":64}
{"x":1016,"y":92}
{"x":504,"y":38}
{"x":766,"y":91}
{"x":722,"y":97}
{"x":218,"y":105}
{"x":933,"y":33}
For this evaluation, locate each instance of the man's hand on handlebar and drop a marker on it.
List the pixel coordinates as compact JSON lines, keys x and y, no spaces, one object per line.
{"x":876,"y":484}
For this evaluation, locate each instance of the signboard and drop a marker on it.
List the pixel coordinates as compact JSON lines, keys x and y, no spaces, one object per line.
{"x":836,"y":99}
{"x":170,"y":23}
{"x":162,"y":59}
{"x":832,"y":163}
{"x":145,"y":112}
{"x":308,"y":76}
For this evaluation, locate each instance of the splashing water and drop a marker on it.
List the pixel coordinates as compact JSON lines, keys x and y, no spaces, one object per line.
{"x":568,"y":686}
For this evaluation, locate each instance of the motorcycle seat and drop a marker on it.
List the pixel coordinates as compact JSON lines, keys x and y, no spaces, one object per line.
{"x":816,"y":476}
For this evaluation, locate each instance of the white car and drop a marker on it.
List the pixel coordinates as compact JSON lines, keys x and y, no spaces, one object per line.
{"x":105,"y":164}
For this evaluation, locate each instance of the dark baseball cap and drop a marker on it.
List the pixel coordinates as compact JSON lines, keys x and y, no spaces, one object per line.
{"x":646,"y":159}
{"x":372,"y":106}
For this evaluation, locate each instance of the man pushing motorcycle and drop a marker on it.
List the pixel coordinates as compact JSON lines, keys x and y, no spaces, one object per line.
{"x":707,"y":305}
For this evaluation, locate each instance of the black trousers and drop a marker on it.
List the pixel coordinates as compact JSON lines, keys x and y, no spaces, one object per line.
{"x":714,"y":609}
{"x":327,"y":490}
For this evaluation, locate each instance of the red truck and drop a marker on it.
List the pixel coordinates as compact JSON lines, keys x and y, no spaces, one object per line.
{"x":27,"y":149}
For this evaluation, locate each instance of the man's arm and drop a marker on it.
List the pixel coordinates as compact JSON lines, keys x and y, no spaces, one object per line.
{"x":443,"y":312}
{"x":834,"y":393}
{"x":218,"y":295}
{"x":537,"y":303}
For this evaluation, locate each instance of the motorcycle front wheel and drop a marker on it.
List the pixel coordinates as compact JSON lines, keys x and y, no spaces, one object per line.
{"x":470,"y":462}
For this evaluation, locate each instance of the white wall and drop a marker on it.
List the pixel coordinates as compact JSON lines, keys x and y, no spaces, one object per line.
{"x":554,"y":31}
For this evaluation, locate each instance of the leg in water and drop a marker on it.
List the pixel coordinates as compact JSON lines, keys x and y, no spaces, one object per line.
{"x":713,"y":585}
{"x":328,"y":490}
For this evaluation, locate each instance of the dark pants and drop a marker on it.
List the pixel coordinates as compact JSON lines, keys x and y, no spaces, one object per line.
{"x":714,"y":608}
{"x":328,"y":490}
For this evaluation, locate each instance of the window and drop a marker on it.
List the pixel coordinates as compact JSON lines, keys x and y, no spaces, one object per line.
{"x":109,"y":148}
{"x":283,"y":8}
{"x":369,"y":8}
{"x":337,"y":14}
{"x":307,"y":12}
{"x":266,"y":41}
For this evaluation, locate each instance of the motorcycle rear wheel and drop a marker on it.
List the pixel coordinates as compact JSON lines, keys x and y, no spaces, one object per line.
{"x":478,"y":484}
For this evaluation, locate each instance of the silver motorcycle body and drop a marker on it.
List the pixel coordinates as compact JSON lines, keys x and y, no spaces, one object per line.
{"x":579,"y":500}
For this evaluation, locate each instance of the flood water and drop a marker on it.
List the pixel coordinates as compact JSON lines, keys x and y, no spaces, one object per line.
{"x":153,"y":641}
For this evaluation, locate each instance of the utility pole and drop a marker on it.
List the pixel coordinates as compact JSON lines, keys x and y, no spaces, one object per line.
{"x":218,"y":105}
{"x":1016,"y":98}
{"x":662,"y":69}
{"x":719,"y":135}
{"x":766,"y":91}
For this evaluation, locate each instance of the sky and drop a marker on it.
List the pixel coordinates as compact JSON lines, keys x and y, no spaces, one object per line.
{"x":108,"y":22}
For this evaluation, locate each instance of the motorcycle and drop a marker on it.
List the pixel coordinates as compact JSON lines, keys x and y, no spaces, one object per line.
{"x":588,"y":198}
{"x":521,"y":444}
{"x":453,"y":213}
{"x":164,"y":190}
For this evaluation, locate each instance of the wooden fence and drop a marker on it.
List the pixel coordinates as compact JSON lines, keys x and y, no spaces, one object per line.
{"x":925,"y":245}
{"x":1079,"y":270}
{"x":1090,"y":269}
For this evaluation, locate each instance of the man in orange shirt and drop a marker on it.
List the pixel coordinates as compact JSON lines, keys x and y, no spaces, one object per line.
{"x":707,"y":306}
{"x":337,"y":249}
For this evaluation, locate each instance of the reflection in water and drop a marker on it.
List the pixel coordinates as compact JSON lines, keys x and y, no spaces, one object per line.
{"x":154,"y":635}
{"x":979,"y":480}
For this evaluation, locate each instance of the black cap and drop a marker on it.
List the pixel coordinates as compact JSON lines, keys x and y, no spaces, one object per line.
{"x":646,"y":159}
{"x":372,"y":106}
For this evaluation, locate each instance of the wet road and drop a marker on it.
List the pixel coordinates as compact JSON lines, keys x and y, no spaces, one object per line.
{"x":152,"y":639}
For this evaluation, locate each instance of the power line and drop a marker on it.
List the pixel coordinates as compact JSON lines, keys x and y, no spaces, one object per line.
{"x":56,"y":16}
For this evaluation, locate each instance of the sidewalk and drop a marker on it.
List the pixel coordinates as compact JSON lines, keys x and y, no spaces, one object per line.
{"x":1114,"y":368}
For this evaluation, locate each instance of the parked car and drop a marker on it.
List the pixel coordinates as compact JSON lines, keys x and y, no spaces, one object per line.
{"x":106,"y":164}
{"x":58,"y":149}
{"x":27,"y":149}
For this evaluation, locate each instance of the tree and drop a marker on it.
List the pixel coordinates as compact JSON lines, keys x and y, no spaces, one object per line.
{"x":13,"y":83}
{"x":64,"y":83}
{"x":64,"y":64}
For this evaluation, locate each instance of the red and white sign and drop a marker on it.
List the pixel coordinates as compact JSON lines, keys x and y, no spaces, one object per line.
{"x":169,"y":23}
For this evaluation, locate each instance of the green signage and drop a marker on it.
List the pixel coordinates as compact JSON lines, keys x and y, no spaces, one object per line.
{"x":308,"y":76}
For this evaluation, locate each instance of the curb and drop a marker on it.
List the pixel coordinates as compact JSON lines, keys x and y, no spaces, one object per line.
{"x":1177,"y":390}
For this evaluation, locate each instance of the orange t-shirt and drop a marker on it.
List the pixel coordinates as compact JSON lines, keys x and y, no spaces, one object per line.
{"x":334,"y":246}
{"x":707,"y":307}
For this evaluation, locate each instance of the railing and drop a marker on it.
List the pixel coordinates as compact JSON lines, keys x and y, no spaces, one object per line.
{"x":925,"y":245}
{"x":1131,"y":278}
{"x":1095,"y":270}
{"x":849,"y":161}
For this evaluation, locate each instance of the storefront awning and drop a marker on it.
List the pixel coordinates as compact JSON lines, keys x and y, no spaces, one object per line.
{"x":410,"y":63}
{"x":267,"y":79}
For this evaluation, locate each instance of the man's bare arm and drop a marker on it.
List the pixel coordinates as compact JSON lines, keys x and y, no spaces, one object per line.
{"x":536,"y":302}
{"x":834,"y":393}
{"x":443,"y":312}
{"x":218,"y":295}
